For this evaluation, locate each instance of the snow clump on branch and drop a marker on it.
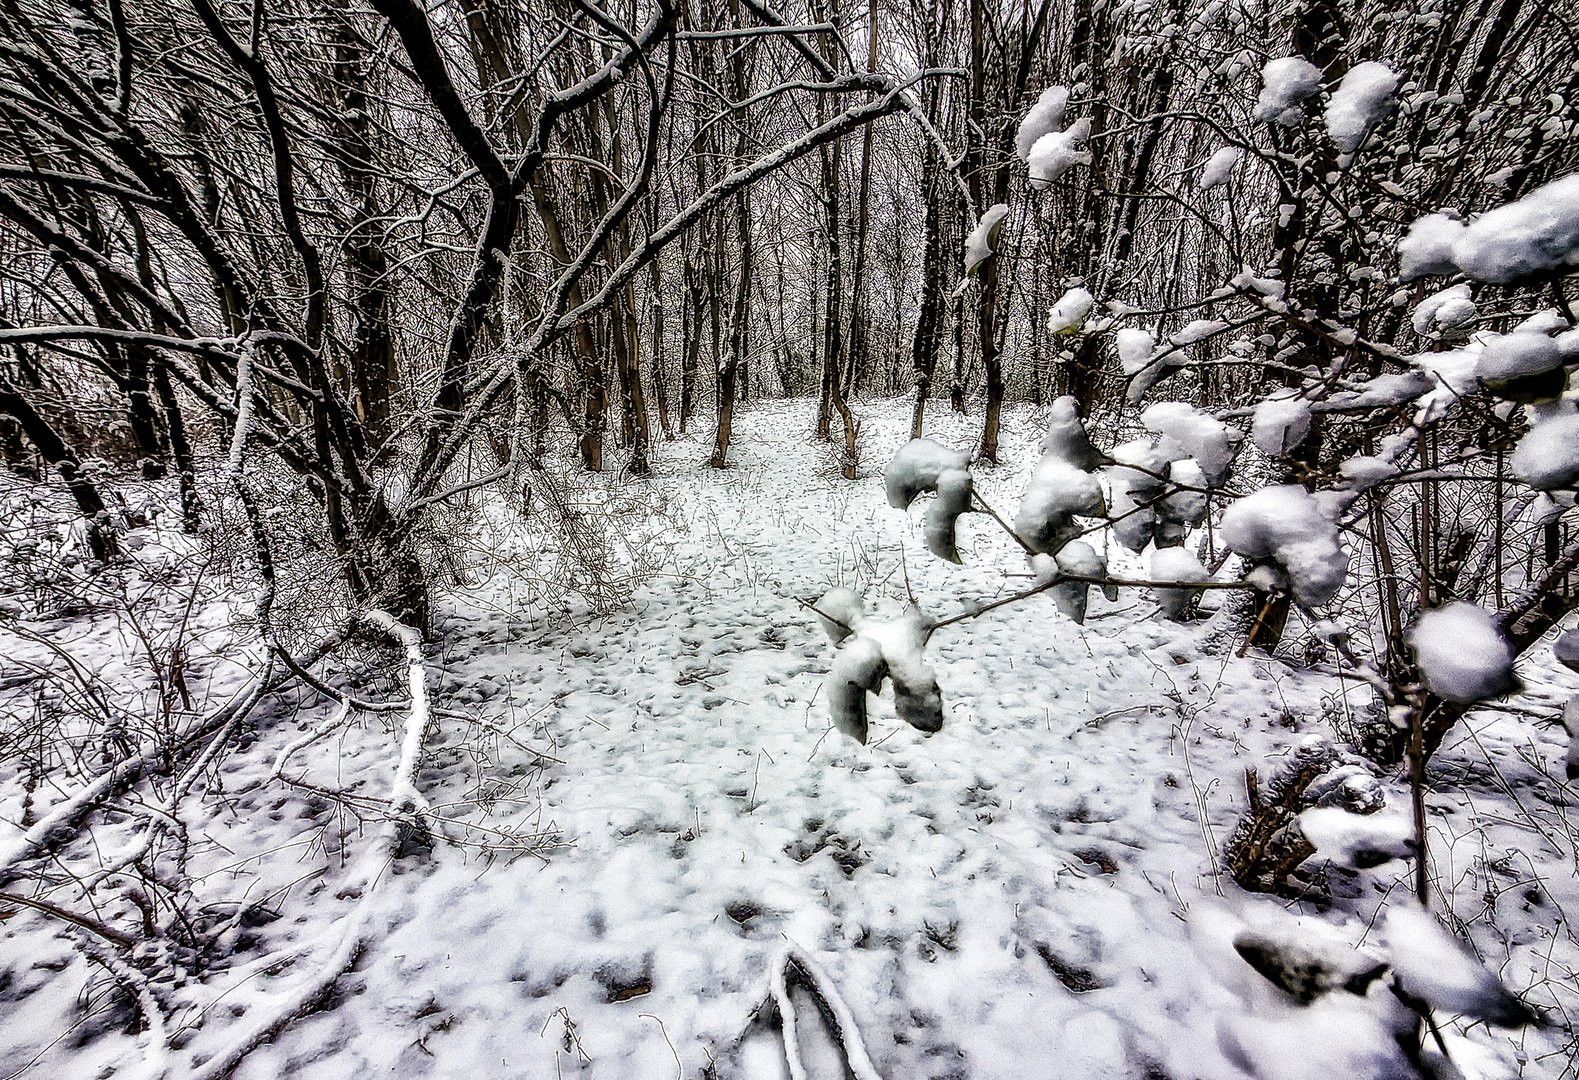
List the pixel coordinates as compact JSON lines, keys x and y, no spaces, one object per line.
{"x":1548,"y":457}
{"x":1462,"y":654}
{"x":871,"y":652}
{"x":1188,"y":432}
{"x":1280,"y":424}
{"x":1059,"y":151}
{"x":925,"y":465}
{"x":1444,"y":311}
{"x":1359,"y":103}
{"x":1044,"y":118}
{"x":1176,"y":564}
{"x":1285,"y":84}
{"x":982,"y":242}
{"x":1062,"y":484}
{"x":1219,"y":168}
{"x":1537,"y":234}
{"x":1070,"y":311}
{"x":1295,"y":530}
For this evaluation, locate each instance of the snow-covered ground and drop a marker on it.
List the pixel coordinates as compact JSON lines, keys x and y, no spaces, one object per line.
{"x":1011,"y":897}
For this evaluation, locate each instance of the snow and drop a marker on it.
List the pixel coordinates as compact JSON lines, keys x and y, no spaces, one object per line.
{"x":1197,"y":330}
{"x":1427,"y":248}
{"x":1533,"y":235}
{"x":1135,"y":483}
{"x":851,"y":1051}
{"x":1546,"y":321}
{"x":1280,"y":424}
{"x":983,"y":239}
{"x":917,"y":467}
{"x":1547,"y":457}
{"x":1066,"y":436}
{"x":1176,"y":564}
{"x":1070,"y":311}
{"x":1188,"y":432}
{"x":1358,"y":840}
{"x":1057,"y":152}
{"x":840,"y":611}
{"x":244,"y":406}
{"x":1285,"y":84}
{"x":1364,"y":471}
{"x":1566,"y":649}
{"x":1452,"y":378}
{"x":1044,"y":118}
{"x":403,"y":793}
{"x":1570,"y":720}
{"x":923,"y":465}
{"x":1296,"y":531}
{"x":1080,"y":559}
{"x":1435,"y":967}
{"x":857,"y":670}
{"x":1446,"y":310}
{"x":1016,"y":895}
{"x":1269,"y":287}
{"x":1219,"y":168}
{"x":1135,"y":347}
{"x":1462,"y":653}
{"x":1362,"y":99}
{"x":1516,"y":355}
{"x":1056,"y":492}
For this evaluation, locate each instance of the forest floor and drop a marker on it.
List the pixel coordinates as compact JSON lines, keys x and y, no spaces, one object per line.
{"x":1010,"y":897}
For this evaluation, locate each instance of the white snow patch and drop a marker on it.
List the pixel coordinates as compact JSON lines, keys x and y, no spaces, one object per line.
{"x":1362,"y":99}
{"x":1043,"y":118}
{"x":982,"y":241}
{"x":1285,"y":84}
{"x":1462,"y":653}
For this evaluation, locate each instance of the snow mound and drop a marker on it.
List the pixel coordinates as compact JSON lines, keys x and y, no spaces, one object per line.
{"x":1508,"y":356}
{"x":916,"y":467}
{"x":1358,"y":840}
{"x":1066,"y":436}
{"x":1566,"y":649}
{"x":1055,"y":493}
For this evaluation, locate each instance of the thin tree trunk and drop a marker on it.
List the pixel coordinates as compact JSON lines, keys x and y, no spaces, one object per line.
{"x":739,"y":340}
{"x":660,"y":387}
{"x":101,"y":535}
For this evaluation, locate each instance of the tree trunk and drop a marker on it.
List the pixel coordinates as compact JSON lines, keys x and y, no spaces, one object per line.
{"x":101,"y":534}
{"x":660,"y":386}
{"x":739,"y":340}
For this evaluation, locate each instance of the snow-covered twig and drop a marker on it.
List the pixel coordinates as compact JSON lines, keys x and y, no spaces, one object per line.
{"x":403,"y":793}
{"x":347,"y":943}
{"x":792,"y":958}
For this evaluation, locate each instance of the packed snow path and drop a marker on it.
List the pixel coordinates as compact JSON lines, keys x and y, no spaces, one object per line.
{"x":1006,"y":898}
